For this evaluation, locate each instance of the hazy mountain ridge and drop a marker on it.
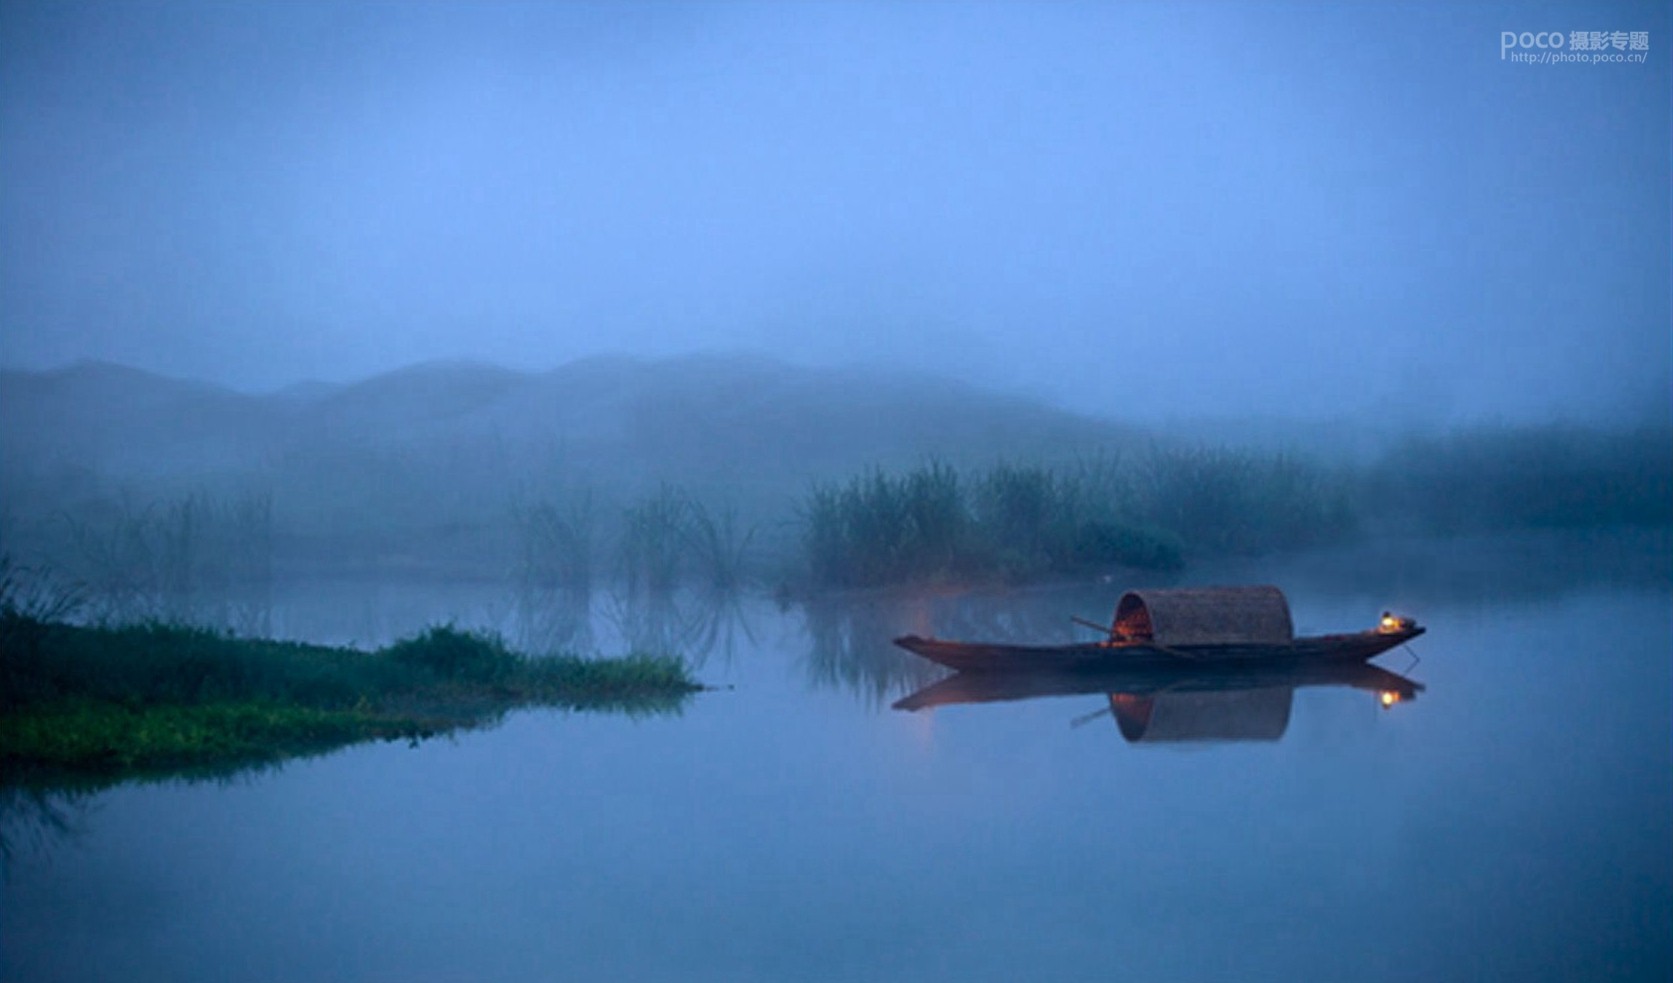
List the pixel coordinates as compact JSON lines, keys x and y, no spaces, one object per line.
{"x":702,"y":418}
{"x":104,"y":417}
{"x":454,"y":466}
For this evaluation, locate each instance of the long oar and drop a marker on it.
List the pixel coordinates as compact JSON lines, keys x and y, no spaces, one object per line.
{"x":1087,"y":718}
{"x":1105,"y":630}
{"x":1109,"y":632}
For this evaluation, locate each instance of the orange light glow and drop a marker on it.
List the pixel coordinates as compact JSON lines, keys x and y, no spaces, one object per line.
{"x":1389,"y":697}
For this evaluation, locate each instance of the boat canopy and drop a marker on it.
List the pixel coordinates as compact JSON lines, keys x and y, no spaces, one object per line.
{"x":1204,"y":616}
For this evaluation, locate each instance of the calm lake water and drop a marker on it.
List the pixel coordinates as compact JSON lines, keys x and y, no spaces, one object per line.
{"x":1514,"y":821}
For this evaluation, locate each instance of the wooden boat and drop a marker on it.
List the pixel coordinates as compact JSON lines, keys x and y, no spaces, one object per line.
{"x":1198,"y":626}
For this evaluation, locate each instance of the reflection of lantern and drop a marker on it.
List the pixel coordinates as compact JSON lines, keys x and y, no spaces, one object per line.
{"x":1391,"y":623}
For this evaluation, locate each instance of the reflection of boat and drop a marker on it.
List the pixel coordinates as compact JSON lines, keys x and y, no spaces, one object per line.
{"x":1152,"y":681}
{"x":1199,"y":627}
{"x":1225,"y":701}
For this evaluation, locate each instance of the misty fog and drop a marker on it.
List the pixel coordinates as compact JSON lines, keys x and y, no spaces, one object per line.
{"x":727,"y":343}
{"x":398,"y":276}
{"x":565,"y":297}
{"x":1155,"y":211}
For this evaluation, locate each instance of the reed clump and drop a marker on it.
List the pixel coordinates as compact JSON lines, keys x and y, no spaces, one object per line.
{"x":671,"y":538}
{"x":1013,"y":522}
{"x":933,"y":525}
{"x":1553,"y":477}
{"x":556,"y":546}
{"x":195,"y":558}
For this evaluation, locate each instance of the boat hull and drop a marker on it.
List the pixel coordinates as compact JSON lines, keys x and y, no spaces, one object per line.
{"x":987,"y":657}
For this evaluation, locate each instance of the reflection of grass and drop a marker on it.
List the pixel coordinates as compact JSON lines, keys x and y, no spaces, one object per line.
{"x":114,"y":701}
{"x":113,"y":736}
{"x":850,"y":647}
{"x":697,"y":623}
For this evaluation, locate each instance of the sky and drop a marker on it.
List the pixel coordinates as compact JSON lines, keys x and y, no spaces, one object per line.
{"x":1132,"y":210}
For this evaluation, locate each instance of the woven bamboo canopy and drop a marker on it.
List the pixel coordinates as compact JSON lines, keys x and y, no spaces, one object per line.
{"x":1205,"y":616}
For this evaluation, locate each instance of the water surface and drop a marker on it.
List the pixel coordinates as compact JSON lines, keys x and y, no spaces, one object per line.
{"x":1513,"y":821}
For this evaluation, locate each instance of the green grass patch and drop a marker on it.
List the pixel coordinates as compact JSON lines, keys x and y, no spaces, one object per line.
{"x":141,"y":699}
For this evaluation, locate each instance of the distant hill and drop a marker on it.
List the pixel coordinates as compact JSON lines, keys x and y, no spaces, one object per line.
{"x":449,"y":441}
{"x":122,"y":421}
{"x":696,"y":416}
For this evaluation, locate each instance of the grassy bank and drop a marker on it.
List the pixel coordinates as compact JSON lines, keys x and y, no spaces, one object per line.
{"x":157,"y":699}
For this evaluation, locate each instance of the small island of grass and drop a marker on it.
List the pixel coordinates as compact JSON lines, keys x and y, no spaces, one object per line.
{"x":96,"y":704}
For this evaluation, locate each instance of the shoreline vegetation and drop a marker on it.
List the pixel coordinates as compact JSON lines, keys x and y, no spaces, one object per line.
{"x":207,"y":559}
{"x":178,"y":501}
{"x":90,"y":705}
{"x":1157,"y":510}
{"x":135,"y":647}
{"x":1015,"y":524}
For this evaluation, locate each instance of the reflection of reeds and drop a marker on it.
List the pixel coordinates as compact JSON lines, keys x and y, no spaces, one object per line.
{"x":553,"y":620}
{"x":33,"y":819}
{"x":851,"y":636}
{"x":850,"y":647}
{"x":697,"y":623}
{"x":555,"y":575}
